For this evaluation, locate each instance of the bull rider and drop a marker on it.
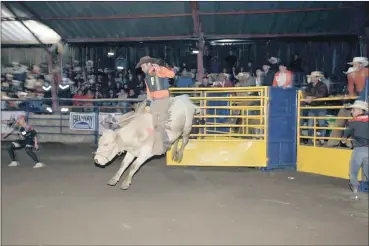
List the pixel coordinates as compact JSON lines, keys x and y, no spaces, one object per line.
{"x":157,"y":86}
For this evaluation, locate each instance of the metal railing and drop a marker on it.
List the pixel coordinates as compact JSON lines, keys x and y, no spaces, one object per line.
{"x":57,"y":122}
{"x":320,"y":120}
{"x":230,"y":114}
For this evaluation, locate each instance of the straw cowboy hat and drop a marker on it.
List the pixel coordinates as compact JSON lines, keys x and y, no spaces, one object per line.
{"x":223,"y":75}
{"x":274,"y":60}
{"x":240,"y":76}
{"x":316,"y":74}
{"x":362,"y":60}
{"x":145,"y":59}
{"x":360,"y":105}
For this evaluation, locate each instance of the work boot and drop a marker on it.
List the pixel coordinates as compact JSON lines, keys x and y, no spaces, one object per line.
{"x":39,"y":165}
{"x":13,"y":164}
{"x":355,"y":192}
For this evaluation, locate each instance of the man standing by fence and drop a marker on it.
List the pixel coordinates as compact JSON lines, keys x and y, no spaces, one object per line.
{"x":157,"y":89}
{"x":356,"y":85}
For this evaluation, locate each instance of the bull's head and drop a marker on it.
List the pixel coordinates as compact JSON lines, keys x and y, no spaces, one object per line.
{"x":108,"y":147}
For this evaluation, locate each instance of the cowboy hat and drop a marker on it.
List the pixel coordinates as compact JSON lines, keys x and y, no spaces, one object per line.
{"x":360,"y":105}
{"x":145,"y":59}
{"x":240,"y":75}
{"x":362,"y":60}
{"x":316,"y":74}
{"x":274,"y":60}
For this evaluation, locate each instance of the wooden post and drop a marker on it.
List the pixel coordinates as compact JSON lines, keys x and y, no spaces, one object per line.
{"x":54,"y":95}
{"x":199,"y":34}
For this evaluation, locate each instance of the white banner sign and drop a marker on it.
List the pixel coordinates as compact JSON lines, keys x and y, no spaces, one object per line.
{"x":6,"y":118}
{"x":82,"y":121}
{"x":106,"y":120}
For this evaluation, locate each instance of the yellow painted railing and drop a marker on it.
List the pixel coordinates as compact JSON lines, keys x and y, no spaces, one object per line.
{"x":243,"y":116}
{"x":324,"y":158}
{"x":313,"y":135}
{"x":231,"y":128}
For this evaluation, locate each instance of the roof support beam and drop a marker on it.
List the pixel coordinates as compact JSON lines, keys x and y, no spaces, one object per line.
{"x":198,"y":33}
{"x":145,"y":16}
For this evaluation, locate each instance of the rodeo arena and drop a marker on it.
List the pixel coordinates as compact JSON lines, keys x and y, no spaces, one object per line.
{"x":184,"y":123}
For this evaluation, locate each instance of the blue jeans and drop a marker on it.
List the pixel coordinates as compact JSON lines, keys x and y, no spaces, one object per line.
{"x":321,"y":122}
{"x":359,"y":158}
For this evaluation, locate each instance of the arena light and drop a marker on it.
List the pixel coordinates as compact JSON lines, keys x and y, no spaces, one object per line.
{"x":63,"y":87}
{"x":195,"y":51}
{"x":64,"y":110}
{"x":110,"y":53}
{"x":120,"y":67}
{"x":48,"y":109}
{"x":46,"y":88}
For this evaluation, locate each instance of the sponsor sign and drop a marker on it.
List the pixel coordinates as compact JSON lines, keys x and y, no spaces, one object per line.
{"x":82,"y":121}
{"x":107,"y":120}
{"x":6,"y":118}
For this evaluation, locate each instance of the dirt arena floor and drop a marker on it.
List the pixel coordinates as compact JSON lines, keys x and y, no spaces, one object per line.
{"x":69,"y":203}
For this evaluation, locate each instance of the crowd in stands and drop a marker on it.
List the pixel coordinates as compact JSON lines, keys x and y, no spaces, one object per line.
{"x":87,"y":82}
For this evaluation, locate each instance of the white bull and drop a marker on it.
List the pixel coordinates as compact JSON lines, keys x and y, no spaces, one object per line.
{"x":136,"y":137}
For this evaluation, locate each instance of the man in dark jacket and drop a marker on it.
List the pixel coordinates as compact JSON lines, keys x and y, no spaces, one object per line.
{"x":358,"y":130}
{"x":316,"y":89}
{"x":268,"y":74}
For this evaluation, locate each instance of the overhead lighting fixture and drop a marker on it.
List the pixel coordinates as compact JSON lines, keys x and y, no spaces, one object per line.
{"x":120,"y":68}
{"x":110,"y":53}
{"x":195,"y":51}
{"x":227,"y":40}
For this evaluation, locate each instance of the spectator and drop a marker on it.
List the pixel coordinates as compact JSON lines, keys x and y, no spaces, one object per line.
{"x":268,"y":74}
{"x":205,"y":82}
{"x":296,"y":68}
{"x":142,"y":94}
{"x":123,"y":104}
{"x":356,"y":79}
{"x":316,"y":89}
{"x":259,"y":79}
{"x":223,"y":81}
{"x":250,"y":69}
{"x":215,"y":65}
{"x":283,"y":78}
{"x":230,"y":61}
{"x":245,"y":80}
{"x":78,"y":96}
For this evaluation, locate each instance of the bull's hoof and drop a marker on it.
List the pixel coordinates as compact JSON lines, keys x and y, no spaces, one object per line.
{"x":112,"y":182}
{"x":179,"y":156}
{"x":125,"y":186}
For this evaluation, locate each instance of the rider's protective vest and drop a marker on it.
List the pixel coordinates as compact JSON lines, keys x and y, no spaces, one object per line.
{"x":155,"y":83}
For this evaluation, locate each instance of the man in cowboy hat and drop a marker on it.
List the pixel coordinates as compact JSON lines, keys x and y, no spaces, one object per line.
{"x":316,"y":89}
{"x":157,"y":86}
{"x":358,"y":130}
{"x":356,"y":79}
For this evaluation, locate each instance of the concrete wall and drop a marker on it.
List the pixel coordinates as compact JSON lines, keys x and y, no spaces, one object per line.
{"x":55,"y":128}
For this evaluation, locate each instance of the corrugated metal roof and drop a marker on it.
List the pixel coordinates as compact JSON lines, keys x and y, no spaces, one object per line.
{"x":134,"y":21}
{"x":13,"y":32}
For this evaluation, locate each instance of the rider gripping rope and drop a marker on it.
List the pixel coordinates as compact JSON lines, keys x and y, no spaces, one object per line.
{"x":28,"y":141}
{"x":157,"y":89}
